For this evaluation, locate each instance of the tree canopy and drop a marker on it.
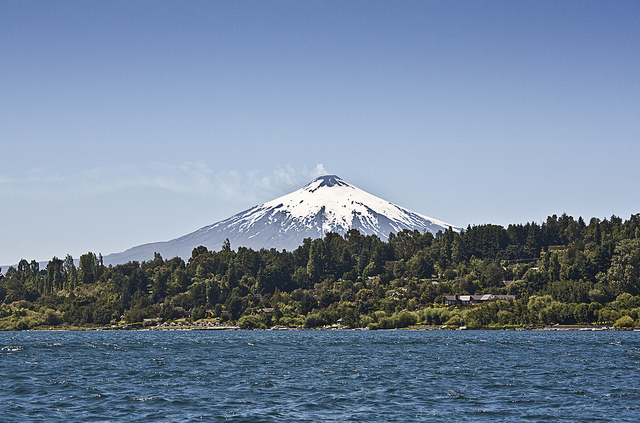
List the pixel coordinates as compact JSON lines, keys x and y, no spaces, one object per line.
{"x":561,"y":271}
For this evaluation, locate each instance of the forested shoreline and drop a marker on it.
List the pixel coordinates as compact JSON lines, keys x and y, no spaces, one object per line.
{"x":563,"y":271}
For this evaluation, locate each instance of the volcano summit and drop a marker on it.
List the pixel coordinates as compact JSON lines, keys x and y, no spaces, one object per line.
{"x":326,"y":204}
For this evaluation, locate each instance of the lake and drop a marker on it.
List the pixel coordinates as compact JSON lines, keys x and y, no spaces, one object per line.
{"x":310,"y":376}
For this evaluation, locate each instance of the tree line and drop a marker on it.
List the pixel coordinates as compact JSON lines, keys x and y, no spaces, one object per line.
{"x":563,"y":271}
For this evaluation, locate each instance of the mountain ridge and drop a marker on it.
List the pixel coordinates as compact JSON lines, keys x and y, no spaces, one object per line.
{"x":326,"y":204}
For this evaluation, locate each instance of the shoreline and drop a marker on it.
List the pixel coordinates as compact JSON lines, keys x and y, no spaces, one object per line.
{"x":550,"y":328}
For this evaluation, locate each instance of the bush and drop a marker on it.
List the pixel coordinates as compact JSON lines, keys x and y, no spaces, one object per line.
{"x":365,"y":321}
{"x":52,"y":318}
{"x":135,"y":315}
{"x":22,"y":325}
{"x":102,"y":316}
{"x":473,"y":324}
{"x":314,"y":320}
{"x":453,"y":321}
{"x":291,"y":322}
{"x":198,"y":313}
{"x":387,"y":323}
{"x":250,"y":322}
{"x":401,"y":319}
{"x":624,"y":322}
{"x":405,"y":319}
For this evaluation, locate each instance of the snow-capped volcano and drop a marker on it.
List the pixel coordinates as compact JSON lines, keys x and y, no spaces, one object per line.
{"x":327,"y":204}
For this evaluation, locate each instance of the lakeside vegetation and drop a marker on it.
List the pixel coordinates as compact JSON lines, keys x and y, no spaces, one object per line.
{"x":563,"y":271}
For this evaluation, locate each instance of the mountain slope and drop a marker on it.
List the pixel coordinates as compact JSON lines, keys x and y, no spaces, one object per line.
{"x":327,"y":204}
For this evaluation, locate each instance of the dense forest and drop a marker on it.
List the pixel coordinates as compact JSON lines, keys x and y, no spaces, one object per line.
{"x":563,"y":271}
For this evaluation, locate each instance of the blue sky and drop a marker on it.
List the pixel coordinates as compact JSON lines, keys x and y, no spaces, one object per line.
{"x":124,"y":122}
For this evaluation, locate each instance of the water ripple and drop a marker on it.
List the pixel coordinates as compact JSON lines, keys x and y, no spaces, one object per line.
{"x":266,"y":376}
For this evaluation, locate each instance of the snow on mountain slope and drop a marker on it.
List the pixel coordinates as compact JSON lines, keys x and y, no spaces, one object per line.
{"x":327,"y":204}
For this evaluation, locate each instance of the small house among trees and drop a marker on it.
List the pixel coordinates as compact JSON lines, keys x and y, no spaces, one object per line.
{"x":474,"y":299}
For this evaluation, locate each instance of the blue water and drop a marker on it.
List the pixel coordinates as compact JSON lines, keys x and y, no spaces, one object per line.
{"x":263,"y":376}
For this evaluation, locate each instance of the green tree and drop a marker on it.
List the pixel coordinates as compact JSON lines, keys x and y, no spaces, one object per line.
{"x":89,"y":268}
{"x":70,"y":273}
{"x":624,"y":273}
{"x":624,"y":322}
{"x":315,"y":265}
{"x":55,"y":276}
